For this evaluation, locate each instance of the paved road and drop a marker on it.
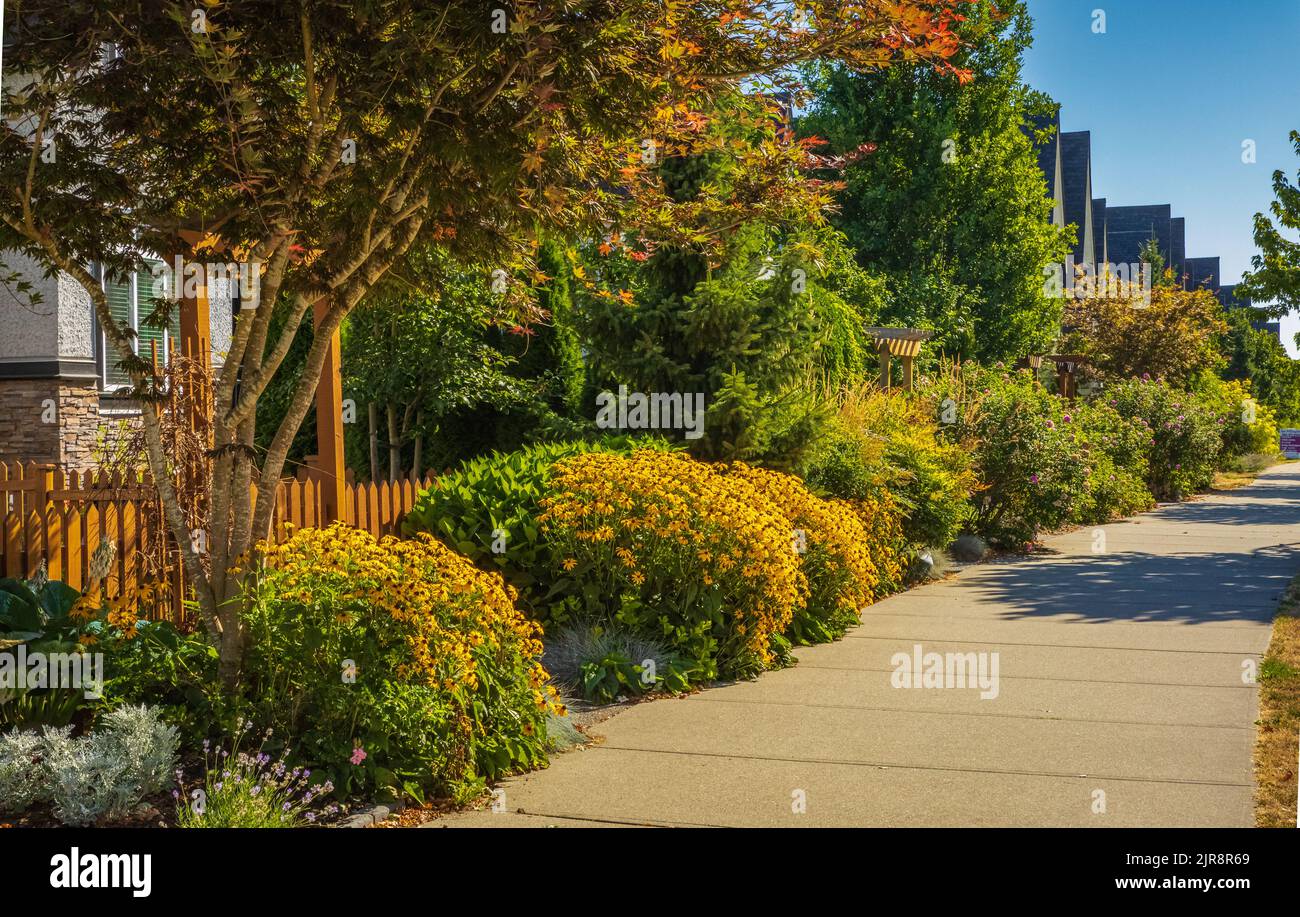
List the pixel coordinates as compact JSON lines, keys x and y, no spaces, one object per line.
{"x":1120,"y":687}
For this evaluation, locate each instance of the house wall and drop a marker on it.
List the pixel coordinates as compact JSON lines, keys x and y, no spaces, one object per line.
{"x":28,"y":331}
{"x":51,"y":409}
{"x":49,"y":420}
{"x":1076,"y":176}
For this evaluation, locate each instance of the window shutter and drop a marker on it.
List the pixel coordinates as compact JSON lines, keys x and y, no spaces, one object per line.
{"x":155,"y":273}
{"x":118,"y":292}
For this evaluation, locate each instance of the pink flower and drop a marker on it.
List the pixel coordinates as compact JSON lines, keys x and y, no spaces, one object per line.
{"x":358,"y":755}
{"x":1033,"y":479}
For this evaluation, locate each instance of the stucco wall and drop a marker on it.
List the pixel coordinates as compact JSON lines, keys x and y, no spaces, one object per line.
{"x":76,"y":324}
{"x":219,"y":305}
{"x":61,"y":324}
{"x":28,"y":331}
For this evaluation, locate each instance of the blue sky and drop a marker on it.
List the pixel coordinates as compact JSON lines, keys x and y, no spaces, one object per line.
{"x":1170,"y":91}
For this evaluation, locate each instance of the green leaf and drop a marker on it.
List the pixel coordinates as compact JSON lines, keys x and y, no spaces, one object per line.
{"x":20,"y":612}
{"x":15,"y":637}
{"x":57,"y":598}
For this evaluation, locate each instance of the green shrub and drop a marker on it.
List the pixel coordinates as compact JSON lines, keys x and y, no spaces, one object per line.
{"x":1248,"y":426}
{"x":881,"y":442}
{"x":487,"y":510}
{"x":171,"y":671}
{"x":145,"y":662}
{"x":661,"y":544}
{"x":1115,"y":462}
{"x":1028,"y":458}
{"x":1184,"y":434}
{"x":395,"y":665}
{"x":834,"y":555}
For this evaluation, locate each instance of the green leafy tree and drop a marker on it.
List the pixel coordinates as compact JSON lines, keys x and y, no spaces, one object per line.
{"x":1152,"y":256}
{"x":546,"y":370}
{"x":1275,"y":278}
{"x":1260,"y":357}
{"x":323,"y":141}
{"x":747,"y":324}
{"x":950,"y":205}
{"x":414,"y":356}
{"x":1174,"y":337}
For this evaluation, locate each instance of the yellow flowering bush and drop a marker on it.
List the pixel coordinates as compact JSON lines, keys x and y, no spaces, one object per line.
{"x":677,"y":548}
{"x":832,"y":546}
{"x":394,"y":663}
{"x":887,"y":543}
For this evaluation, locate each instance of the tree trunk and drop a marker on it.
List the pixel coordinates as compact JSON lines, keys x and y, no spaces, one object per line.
{"x":418,"y":459}
{"x":394,"y":446}
{"x":372,"y":410}
{"x":230,"y":656}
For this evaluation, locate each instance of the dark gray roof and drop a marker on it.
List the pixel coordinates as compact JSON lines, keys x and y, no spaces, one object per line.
{"x":1046,"y":149}
{"x":1076,"y":181}
{"x":1202,"y":272}
{"x":1129,"y":228}
{"x":1177,"y":257}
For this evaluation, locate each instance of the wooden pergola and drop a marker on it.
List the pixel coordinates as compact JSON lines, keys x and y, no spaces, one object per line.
{"x":326,"y":468}
{"x":1067,"y":369}
{"x":904,"y":343}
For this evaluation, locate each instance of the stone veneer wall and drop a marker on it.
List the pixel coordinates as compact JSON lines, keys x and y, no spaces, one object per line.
{"x":31,"y":432}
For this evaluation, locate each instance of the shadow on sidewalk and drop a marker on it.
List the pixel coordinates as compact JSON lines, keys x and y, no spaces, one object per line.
{"x":1202,"y":588}
{"x":1140,"y":587}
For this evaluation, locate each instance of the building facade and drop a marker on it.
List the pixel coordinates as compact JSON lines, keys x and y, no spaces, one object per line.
{"x":1108,"y":233}
{"x":63,"y":399}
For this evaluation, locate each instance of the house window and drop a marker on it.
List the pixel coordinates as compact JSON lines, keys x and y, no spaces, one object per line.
{"x":131,"y":300}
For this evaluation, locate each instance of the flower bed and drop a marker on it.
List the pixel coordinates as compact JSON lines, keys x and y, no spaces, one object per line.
{"x":395,"y":664}
{"x":663,"y":543}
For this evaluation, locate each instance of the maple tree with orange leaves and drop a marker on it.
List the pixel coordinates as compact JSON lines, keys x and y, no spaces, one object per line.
{"x":361,"y":133}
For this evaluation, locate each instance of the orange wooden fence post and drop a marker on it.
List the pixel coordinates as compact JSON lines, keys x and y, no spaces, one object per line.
{"x":331,"y":479}
{"x":196,"y":325}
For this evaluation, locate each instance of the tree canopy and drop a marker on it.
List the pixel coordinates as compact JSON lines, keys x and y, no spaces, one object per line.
{"x":951,"y":206}
{"x":324,"y":140}
{"x":1274,"y":281}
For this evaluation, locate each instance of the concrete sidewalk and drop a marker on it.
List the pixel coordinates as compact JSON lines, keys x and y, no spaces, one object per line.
{"x":1120,"y":682}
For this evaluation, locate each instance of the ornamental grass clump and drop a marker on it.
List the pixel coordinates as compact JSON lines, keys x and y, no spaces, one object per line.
{"x":831,"y":544}
{"x":394,"y":664}
{"x":664,"y":544}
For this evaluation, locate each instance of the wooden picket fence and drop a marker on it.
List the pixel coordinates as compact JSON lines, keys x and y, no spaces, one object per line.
{"x":61,"y":518}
